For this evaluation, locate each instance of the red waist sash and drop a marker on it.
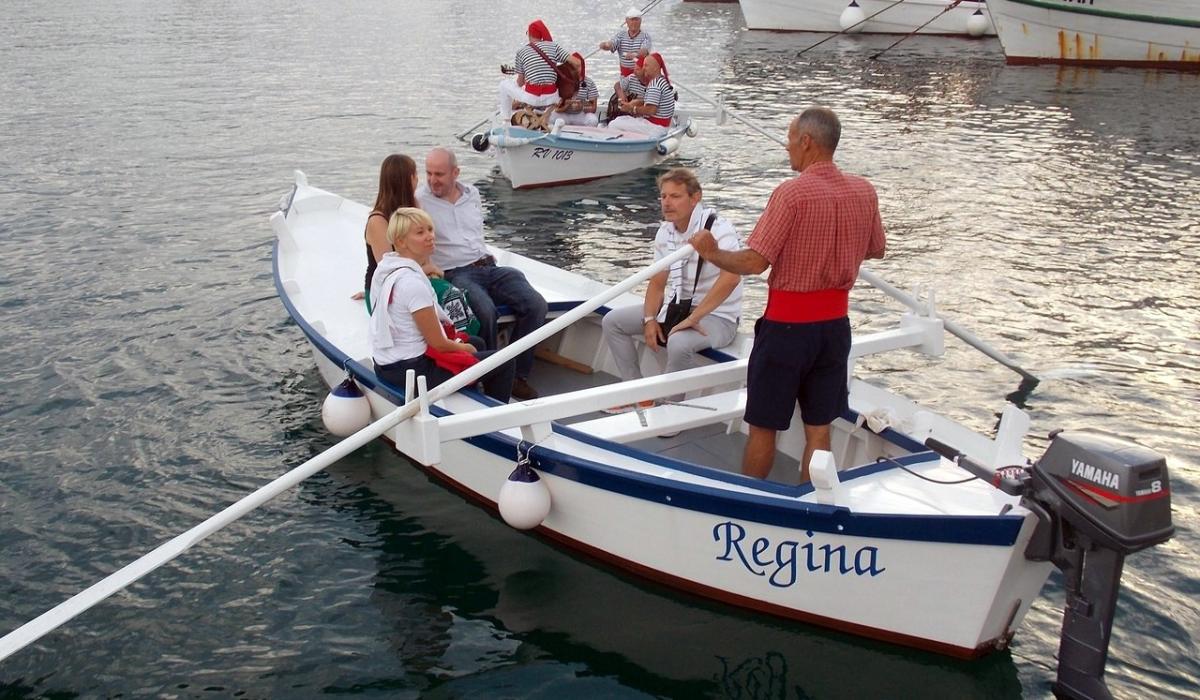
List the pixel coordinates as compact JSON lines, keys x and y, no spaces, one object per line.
{"x":626,"y":71}
{"x":534,"y":89}
{"x":661,"y":121}
{"x":807,"y":307}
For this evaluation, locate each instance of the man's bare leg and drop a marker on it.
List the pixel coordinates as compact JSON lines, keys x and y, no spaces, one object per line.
{"x":759,"y":455}
{"x":816,"y":437}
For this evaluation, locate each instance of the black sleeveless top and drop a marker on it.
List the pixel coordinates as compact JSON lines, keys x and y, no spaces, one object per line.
{"x":371,"y":264}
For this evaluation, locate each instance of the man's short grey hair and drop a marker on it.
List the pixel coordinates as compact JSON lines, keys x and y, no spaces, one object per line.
{"x":450,"y":157}
{"x":822,"y":125}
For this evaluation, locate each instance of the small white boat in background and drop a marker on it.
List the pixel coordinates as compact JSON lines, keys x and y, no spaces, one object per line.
{"x":570,"y":154}
{"x":1140,"y":33}
{"x":889,"y":541}
{"x":966,"y":17}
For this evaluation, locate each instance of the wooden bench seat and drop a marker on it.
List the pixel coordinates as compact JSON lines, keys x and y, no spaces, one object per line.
{"x":667,"y":418}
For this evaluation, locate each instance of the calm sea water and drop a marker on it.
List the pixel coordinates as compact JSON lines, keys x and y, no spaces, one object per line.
{"x":152,"y":378}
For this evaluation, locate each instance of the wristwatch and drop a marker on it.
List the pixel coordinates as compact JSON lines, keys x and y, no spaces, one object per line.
{"x":648,"y":319}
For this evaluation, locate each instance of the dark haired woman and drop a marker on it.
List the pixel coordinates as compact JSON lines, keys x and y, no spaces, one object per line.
{"x":397,"y":188}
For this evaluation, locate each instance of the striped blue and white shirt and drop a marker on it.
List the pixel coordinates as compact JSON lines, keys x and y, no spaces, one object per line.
{"x":633,"y":87}
{"x":535,"y":68}
{"x":622,"y":43}
{"x":662,"y":95}
{"x":587,"y":90}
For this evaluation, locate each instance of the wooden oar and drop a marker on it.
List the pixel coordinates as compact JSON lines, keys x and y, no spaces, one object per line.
{"x":50,"y":620}
{"x":875,"y":281}
{"x":462,"y":135}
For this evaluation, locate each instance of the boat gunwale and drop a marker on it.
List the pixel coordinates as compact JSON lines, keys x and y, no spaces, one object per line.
{"x":767,"y":509}
{"x":1110,"y":14}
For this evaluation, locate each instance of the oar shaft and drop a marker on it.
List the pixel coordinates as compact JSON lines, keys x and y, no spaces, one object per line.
{"x":50,"y":620}
{"x":962,"y":333}
{"x":735,"y":115}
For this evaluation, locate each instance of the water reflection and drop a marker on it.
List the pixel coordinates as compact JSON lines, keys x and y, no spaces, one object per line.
{"x":505,"y":593}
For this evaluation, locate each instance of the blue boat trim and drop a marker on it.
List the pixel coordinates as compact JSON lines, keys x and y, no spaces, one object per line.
{"x":1000,"y":530}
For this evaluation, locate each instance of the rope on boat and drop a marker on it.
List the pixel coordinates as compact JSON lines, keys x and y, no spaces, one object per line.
{"x":851,"y":27}
{"x":933,"y":19}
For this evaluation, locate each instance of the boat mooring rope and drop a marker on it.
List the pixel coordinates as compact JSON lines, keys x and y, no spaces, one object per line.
{"x":847,"y":29}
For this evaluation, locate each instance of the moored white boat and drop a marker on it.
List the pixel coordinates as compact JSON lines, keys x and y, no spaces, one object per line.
{"x":891,"y":543}
{"x":569,"y":154}
{"x":967,"y":18}
{"x":1142,"y":33}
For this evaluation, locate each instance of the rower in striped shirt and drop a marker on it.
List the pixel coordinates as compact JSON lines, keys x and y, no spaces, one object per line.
{"x":631,"y":43}
{"x":653,"y":116}
{"x":580,"y":110}
{"x":535,"y":81}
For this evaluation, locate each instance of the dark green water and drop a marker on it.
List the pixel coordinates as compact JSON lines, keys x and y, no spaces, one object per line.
{"x":152,"y":378}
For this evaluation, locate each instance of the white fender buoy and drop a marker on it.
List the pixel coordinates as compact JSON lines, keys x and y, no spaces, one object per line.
{"x":852,"y":16}
{"x":524,"y":499}
{"x":667,"y":147}
{"x":978,"y":23}
{"x":691,"y":129}
{"x":479,"y":142}
{"x":346,"y":410}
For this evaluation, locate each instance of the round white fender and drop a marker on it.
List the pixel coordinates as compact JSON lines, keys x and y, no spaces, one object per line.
{"x":978,"y":23}
{"x":346,"y":410}
{"x":668,"y":146}
{"x":852,"y":16}
{"x":524,"y":499}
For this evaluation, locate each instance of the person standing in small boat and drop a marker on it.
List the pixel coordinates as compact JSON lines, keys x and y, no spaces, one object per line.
{"x":715,"y":295}
{"x":397,"y":188}
{"x":580,"y":110}
{"x":536,"y":82}
{"x":461,"y":253}
{"x":814,"y":235}
{"x":653,"y":116}
{"x":407,"y":327}
{"x":630,"y":43}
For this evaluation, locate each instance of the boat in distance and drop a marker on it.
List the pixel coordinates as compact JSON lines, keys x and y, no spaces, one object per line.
{"x":1100,"y":33}
{"x":946,"y":17}
{"x":889,"y":541}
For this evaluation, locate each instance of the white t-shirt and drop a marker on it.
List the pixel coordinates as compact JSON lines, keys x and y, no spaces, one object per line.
{"x":411,"y":291}
{"x":669,"y":239}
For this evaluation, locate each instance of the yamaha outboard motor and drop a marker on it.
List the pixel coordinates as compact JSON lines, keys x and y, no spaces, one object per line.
{"x":1097,"y":499}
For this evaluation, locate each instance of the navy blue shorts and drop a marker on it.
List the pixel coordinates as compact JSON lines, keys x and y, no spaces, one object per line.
{"x":792,"y":363}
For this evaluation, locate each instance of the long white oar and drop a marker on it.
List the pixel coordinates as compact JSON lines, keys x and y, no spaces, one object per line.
{"x":50,"y":620}
{"x":875,"y":281}
{"x":461,"y":136}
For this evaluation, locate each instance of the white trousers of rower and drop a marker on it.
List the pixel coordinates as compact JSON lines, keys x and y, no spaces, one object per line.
{"x":638,"y":125}
{"x":509,"y":91}
{"x":623,"y":326}
{"x":576,"y":119}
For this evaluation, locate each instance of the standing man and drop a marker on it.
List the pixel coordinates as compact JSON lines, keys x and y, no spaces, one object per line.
{"x":814,"y":234}
{"x":457,"y":213}
{"x":716,"y":295}
{"x":630,"y":43}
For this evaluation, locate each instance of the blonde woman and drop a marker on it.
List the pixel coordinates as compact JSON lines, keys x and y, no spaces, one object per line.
{"x":407,"y":324}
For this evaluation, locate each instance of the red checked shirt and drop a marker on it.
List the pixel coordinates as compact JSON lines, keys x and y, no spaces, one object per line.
{"x":817,"y":229}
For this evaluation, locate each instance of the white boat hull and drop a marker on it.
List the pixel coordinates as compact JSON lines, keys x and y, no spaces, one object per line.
{"x":825,"y":16}
{"x":577,"y":154}
{"x":894,"y":558}
{"x":1143,"y":33}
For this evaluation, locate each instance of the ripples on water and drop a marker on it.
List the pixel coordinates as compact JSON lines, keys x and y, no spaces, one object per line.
{"x":153,"y":378}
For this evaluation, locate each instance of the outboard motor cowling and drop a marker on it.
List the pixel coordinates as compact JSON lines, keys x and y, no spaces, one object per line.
{"x":1097,"y":499}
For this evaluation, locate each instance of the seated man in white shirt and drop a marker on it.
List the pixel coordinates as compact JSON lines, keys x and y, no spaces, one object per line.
{"x":716,"y":295}
{"x":463,"y":257}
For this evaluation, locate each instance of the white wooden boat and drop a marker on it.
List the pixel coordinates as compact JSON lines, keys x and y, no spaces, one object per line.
{"x":968,"y":17}
{"x":891,"y":542}
{"x":570,"y":154}
{"x":1142,"y":33}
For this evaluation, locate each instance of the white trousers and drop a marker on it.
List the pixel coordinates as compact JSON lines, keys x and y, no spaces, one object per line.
{"x":637,"y":125}
{"x":576,"y":119}
{"x":623,"y":331}
{"x":509,"y":91}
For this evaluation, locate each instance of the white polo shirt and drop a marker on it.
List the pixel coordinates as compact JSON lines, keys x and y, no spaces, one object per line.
{"x":398,"y":289}
{"x":458,"y":227}
{"x":669,"y":239}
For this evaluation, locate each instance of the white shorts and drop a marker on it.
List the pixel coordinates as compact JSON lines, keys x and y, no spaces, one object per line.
{"x":637,"y":125}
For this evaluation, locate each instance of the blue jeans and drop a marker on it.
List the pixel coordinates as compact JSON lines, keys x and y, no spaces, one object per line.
{"x":490,"y":285}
